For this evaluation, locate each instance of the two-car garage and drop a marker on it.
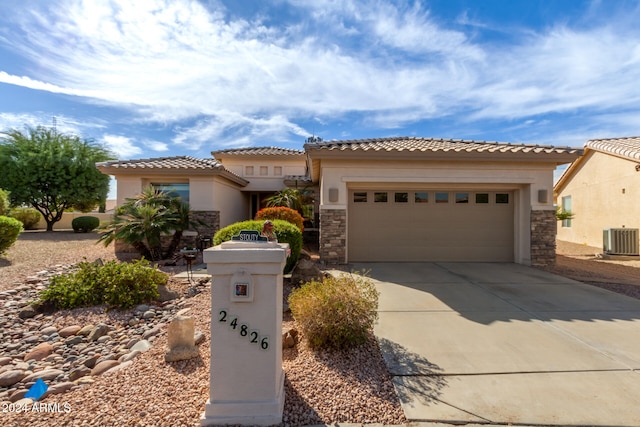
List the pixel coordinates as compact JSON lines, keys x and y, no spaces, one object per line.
{"x":412,"y":199}
{"x":430,"y":225}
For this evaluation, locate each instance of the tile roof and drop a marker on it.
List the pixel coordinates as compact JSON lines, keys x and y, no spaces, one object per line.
{"x":259,"y":151}
{"x":178,"y":162}
{"x":417,"y":144}
{"x":628,"y":147}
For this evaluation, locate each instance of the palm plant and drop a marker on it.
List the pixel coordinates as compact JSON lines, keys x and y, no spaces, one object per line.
{"x":141,"y":222}
{"x":293,"y":198}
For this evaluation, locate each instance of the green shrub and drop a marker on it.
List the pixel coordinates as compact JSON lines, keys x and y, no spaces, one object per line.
{"x":4,"y":202}
{"x":10,"y":229}
{"x":337,"y":312}
{"x":281,"y":212}
{"x":285,"y":231}
{"x":118,"y":284}
{"x":84,"y":224}
{"x":29,"y":217}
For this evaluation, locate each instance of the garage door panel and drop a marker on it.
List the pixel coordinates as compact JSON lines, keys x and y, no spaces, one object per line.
{"x":430,"y":232}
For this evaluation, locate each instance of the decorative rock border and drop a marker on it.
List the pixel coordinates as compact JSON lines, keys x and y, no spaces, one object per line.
{"x":66,"y":358}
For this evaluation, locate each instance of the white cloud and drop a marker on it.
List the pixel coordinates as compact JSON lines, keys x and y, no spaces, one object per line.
{"x":155,"y":145}
{"x":121,"y":146}
{"x":63,"y":124}
{"x":248,"y":80}
{"x":231,"y":129}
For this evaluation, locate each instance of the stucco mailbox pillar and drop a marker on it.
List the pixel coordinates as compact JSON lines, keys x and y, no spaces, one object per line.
{"x":246,"y":376}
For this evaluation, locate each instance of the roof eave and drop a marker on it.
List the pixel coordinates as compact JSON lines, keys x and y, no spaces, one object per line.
{"x":132,"y":171}
{"x":557,"y":157}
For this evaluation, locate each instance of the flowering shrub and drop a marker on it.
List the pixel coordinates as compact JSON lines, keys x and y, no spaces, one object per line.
{"x":283,"y":213}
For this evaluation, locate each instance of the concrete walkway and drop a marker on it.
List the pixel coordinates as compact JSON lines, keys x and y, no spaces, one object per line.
{"x":507,"y":344}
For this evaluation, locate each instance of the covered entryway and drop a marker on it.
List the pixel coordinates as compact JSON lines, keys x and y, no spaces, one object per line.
{"x":430,"y":225}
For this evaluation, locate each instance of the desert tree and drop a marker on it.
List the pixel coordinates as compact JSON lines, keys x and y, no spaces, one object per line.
{"x":51,"y":171}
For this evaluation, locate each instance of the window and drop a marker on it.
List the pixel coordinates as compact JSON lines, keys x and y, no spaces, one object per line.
{"x":248,"y":170}
{"x":502,"y":198}
{"x":277,"y":170}
{"x":442,"y":197}
{"x":173,"y":190}
{"x":380,"y":197}
{"x":421,"y":198}
{"x":482,"y":198}
{"x":401,"y":197}
{"x":360,"y":197}
{"x":566,"y":207}
{"x":462,"y":197}
{"x":264,"y":170}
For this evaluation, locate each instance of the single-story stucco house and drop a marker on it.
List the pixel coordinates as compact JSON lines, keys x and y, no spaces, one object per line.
{"x":602,"y":190}
{"x":381,"y":199}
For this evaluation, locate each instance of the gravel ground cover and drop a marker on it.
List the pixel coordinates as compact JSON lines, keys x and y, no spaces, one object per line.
{"x":321,"y":387}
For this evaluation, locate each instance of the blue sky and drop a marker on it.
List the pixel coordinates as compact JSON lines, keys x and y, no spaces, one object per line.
{"x":185,"y":77}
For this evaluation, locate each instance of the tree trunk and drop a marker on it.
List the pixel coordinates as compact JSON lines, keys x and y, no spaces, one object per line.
{"x":142,"y":250}
{"x":173,"y":245}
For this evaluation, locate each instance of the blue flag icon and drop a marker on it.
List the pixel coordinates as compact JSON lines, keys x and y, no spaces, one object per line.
{"x":37,"y":390}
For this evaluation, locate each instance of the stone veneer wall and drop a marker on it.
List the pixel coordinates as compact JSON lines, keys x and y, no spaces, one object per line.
{"x":333,"y":235}
{"x":543,"y":238}
{"x":211,"y":219}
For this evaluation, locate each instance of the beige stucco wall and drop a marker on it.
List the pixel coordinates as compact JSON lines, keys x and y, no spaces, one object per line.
{"x":232,"y":204}
{"x":524,"y":179}
{"x":206,"y":193}
{"x":128,"y":187}
{"x":270,"y":181}
{"x":341,"y":174}
{"x":605,"y":193}
{"x":68,"y":217}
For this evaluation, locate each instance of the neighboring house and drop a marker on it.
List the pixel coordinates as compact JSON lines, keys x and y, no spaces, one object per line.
{"x":383,"y":199}
{"x":601,"y":189}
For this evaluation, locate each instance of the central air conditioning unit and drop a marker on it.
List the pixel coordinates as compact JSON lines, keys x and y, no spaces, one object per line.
{"x":620,"y":241}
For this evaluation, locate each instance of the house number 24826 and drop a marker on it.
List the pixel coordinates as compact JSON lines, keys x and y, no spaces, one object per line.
{"x":243,"y":329}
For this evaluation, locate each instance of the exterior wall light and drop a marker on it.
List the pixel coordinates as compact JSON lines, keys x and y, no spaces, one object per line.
{"x":333,"y":195}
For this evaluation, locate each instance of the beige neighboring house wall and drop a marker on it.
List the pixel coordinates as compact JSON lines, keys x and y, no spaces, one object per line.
{"x":604,"y":189}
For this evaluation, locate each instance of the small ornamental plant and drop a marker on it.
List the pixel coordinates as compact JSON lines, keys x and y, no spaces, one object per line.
{"x":29,"y":217}
{"x":283,"y":213}
{"x":118,"y":284}
{"x":85,"y":224}
{"x":336,"y":312}
{"x":10,"y":229}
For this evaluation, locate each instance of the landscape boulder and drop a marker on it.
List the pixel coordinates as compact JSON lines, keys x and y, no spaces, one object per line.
{"x":181,"y":340}
{"x":39,"y":352}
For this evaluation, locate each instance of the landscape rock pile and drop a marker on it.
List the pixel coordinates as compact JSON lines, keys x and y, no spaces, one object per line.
{"x":120,"y":376}
{"x":35,"y":346}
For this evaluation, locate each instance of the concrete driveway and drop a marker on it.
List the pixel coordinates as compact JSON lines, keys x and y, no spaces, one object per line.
{"x":505,"y":343}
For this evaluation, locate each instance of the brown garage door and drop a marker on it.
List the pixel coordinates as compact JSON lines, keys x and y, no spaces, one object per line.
{"x":430,"y":225}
